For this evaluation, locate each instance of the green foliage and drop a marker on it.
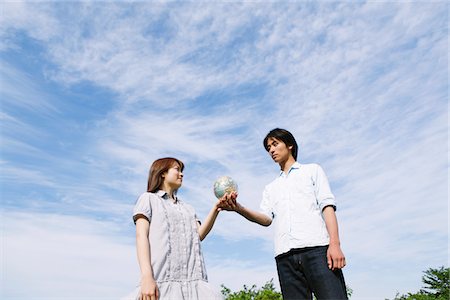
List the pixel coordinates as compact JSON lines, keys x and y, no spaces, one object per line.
{"x":349,"y":291}
{"x":437,"y":280}
{"x":266,"y":292}
{"x":419,"y":296}
{"x":436,"y":286}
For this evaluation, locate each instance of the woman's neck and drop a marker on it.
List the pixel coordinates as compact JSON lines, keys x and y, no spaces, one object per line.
{"x":169,"y":190}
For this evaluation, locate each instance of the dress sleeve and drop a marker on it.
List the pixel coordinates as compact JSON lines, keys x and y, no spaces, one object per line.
{"x":142,"y":208}
{"x":322,"y":190}
{"x":266,"y":206}
{"x":197,"y":219}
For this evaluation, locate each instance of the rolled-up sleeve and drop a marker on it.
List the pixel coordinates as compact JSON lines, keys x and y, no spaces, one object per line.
{"x":323,"y":192}
{"x":142,"y":207}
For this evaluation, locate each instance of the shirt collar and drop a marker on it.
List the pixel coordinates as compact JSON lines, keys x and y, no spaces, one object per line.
{"x":295,"y":165}
{"x":163,"y":194}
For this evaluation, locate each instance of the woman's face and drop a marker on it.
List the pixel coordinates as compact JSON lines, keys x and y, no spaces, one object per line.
{"x":173,"y":177}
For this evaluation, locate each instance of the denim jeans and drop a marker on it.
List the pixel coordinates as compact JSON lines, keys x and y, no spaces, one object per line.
{"x":305,"y":271}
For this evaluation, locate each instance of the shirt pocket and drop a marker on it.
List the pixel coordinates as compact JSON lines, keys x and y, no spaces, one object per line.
{"x":303,"y":197}
{"x":304,"y":186}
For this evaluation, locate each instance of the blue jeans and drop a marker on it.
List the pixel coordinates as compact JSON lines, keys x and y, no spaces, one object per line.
{"x":305,"y":271}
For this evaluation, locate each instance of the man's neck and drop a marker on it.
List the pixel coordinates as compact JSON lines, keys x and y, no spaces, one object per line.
{"x":286,"y":165}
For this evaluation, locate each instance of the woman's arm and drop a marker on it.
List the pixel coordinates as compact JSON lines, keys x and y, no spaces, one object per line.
{"x":208,"y":224}
{"x":149,"y":289}
{"x":228,"y":202}
{"x":335,"y":256}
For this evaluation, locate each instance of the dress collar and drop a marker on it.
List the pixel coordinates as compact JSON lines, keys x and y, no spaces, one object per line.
{"x":163,"y":194}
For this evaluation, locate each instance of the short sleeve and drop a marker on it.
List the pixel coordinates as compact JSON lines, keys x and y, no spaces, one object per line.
{"x":142,"y":207}
{"x":322,"y":189}
{"x":197,"y":219}
{"x":266,"y":205}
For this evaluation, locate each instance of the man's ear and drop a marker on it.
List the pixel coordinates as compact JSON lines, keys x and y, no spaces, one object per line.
{"x":290,"y":147}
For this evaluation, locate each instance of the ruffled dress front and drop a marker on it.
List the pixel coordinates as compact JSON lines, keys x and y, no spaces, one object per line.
{"x":176,"y":255}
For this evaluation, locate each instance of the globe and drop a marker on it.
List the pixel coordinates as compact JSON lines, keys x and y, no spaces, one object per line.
{"x":224,"y":185}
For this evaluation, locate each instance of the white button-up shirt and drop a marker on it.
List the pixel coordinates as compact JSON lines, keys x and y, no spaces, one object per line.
{"x":295,"y":202}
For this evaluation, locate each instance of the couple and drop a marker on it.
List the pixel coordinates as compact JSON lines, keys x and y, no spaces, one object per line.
{"x":299,"y":202}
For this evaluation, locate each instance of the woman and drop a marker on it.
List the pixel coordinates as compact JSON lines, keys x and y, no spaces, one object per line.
{"x":168,"y":236}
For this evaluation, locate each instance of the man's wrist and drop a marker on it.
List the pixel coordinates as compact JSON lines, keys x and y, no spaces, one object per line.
{"x":239,"y":208}
{"x":335,"y":243}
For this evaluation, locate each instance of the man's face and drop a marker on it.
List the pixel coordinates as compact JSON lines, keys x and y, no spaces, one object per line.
{"x":278,"y":150}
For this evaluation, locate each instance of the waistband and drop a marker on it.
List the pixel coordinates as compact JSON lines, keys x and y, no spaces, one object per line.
{"x":298,"y":251}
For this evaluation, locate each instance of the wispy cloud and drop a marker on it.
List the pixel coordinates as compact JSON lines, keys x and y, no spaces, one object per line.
{"x":46,"y":250}
{"x":19,"y":90}
{"x":361,"y":85}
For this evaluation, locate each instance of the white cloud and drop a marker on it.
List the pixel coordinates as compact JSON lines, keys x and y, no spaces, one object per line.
{"x":234,"y":274}
{"x":11,"y":174}
{"x":360,"y":85}
{"x":19,"y":90}
{"x":55,"y":254}
{"x":49,"y":255}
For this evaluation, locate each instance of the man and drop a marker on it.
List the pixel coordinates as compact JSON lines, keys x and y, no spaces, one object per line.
{"x":299,"y":201}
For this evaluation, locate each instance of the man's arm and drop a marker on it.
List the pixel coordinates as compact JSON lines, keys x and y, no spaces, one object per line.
{"x":229,"y":202}
{"x":252,"y":215}
{"x":335,"y":256}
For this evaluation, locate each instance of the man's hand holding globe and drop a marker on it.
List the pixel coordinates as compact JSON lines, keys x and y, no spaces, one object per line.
{"x":225,"y":189}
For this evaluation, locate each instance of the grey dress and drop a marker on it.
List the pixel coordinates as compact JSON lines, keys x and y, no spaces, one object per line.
{"x":176,"y":256}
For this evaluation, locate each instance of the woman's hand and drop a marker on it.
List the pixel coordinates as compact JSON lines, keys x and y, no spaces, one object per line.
{"x":149,"y":289}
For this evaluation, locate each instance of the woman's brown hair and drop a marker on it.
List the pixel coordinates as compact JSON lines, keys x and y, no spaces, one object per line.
{"x":158,"y":168}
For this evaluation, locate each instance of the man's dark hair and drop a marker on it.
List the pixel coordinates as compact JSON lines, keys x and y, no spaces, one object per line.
{"x":284,"y":136}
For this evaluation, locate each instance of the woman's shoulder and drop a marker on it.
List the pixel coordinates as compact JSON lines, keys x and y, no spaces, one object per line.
{"x":147,"y":196}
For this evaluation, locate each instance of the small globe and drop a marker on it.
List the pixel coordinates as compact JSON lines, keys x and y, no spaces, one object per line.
{"x":224,"y":185}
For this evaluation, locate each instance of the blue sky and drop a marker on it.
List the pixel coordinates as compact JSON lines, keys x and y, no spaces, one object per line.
{"x":93,"y":92}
